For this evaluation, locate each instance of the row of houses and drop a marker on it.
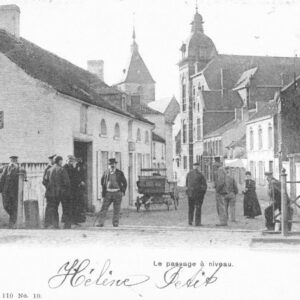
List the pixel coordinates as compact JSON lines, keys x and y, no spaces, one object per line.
{"x":50,"y":106}
{"x":231,"y":109}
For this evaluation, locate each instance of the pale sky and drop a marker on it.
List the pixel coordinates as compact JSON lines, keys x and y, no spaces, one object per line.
{"x":79,"y":30}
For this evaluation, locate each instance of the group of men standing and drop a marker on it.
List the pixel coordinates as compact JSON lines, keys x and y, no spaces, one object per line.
{"x":226,"y":191}
{"x":65,"y":185}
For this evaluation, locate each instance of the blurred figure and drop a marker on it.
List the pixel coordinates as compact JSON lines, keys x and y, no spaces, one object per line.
{"x":251,"y":205}
{"x":45,"y":183}
{"x":227,"y":190}
{"x":58,"y":191}
{"x":196,"y":189}
{"x":9,"y":187}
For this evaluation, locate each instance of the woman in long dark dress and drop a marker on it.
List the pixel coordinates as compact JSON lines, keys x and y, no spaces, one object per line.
{"x":251,"y":205}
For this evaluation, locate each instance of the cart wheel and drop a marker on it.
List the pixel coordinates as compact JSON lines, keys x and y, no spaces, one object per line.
{"x":147,"y":206}
{"x":138,"y":204}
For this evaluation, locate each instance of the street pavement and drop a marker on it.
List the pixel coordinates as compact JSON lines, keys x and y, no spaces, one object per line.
{"x":156,"y":227}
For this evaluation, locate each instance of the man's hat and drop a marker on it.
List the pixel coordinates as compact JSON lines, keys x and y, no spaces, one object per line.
{"x":51,"y":156}
{"x":196,"y":163}
{"x":227,"y":168}
{"x":112,"y":161}
{"x":58,"y":159}
{"x":268,"y":173}
{"x":13,"y":157}
{"x":71,"y":157}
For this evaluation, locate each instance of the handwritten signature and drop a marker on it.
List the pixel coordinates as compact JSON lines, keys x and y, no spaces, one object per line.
{"x":81,"y":273}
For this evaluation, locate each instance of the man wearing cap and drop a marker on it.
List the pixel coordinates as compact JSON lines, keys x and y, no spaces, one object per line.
{"x":114,"y":186}
{"x":58,"y":191}
{"x":9,"y":183}
{"x":196,"y":189}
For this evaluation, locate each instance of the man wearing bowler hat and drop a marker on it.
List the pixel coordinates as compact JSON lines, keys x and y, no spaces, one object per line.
{"x":114,"y":186}
{"x":9,"y":183}
{"x":196,"y":189}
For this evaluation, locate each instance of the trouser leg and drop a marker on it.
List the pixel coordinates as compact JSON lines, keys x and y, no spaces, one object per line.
{"x":66,"y":201}
{"x":222,"y":208}
{"x":6,"y":203}
{"x":198,"y":206}
{"x":48,"y":212}
{"x":13,"y":210}
{"x":232,"y":201}
{"x":191,"y":210}
{"x":105,"y":206}
{"x":117,"y":199}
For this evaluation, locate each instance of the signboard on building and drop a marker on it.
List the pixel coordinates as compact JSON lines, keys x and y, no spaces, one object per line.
{"x":1,"y":119}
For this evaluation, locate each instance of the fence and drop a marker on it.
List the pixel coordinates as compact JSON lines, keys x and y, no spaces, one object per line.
{"x":33,"y":188}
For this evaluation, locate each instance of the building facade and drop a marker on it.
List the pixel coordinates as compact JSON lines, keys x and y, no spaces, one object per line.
{"x":48,"y":105}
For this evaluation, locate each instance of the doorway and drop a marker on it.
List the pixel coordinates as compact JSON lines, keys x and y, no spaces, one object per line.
{"x":84,"y":151}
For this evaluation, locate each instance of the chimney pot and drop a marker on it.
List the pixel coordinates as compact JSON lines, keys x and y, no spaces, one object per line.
{"x":10,"y":19}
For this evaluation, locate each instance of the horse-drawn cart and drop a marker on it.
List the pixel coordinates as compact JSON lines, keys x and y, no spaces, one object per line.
{"x":155,"y":189}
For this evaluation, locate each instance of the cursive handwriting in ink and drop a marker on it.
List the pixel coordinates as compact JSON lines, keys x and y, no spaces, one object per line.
{"x":174,"y":276}
{"x":81,"y":273}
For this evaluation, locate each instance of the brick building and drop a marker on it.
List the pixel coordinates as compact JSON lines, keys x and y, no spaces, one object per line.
{"x":213,"y":85}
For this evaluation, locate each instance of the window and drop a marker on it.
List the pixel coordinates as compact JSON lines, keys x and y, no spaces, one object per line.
{"x":154,"y":150}
{"x":183,"y":95}
{"x":194,"y":97}
{"x":118,"y":158}
{"x":220,"y":148}
{"x":1,"y":119}
{"x":270,"y":136}
{"x":147,"y":137}
{"x":261,"y":171}
{"x":103,"y":128}
{"x":130,"y":130}
{"x":198,"y":129}
{"x":251,"y":139}
{"x":83,"y":119}
{"x":138,"y":135}
{"x":271,"y":166}
{"x":139,"y":163}
{"x":260,"y":138}
{"x":117,"y":131}
{"x":184,"y":132}
{"x":185,"y":162}
{"x":252,"y":169}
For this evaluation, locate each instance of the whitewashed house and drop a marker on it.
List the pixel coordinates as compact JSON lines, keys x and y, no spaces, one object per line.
{"x":50,"y":106}
{"x":261,"y":143}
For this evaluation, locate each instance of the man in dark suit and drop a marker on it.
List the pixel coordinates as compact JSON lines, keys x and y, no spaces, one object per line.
{"x":196,"y":189}
{"x":45,"y":183}
{"x":58,"y":191}
{"x":114,"y":186}
{"x":9,"y":187}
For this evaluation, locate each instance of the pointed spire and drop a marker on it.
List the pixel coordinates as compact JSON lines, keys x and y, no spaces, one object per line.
{"x":134,"y":45}
{"x":197,"y":24}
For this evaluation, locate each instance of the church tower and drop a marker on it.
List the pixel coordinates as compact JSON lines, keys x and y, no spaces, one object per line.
{"x":137,"y":79}
{"x":196,"y":53}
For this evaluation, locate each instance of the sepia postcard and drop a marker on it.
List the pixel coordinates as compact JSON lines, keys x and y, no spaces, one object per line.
{"x":149,"y":149}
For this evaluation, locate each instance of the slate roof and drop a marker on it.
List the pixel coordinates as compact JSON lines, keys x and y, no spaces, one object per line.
{"x":147,"y":110}
{"x":264,"y":110}
{"x":269,"y":72}
{"x":223,"y":128}
{"x":59,"y":73}
{"x":158,"y":138}
{"x":239,"y":143}
{"x":213,"y":100}
{"x":137,"y":71}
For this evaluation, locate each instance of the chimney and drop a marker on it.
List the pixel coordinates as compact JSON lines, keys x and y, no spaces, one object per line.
{"x":96,"y":67}
{"x":10,"y":19}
